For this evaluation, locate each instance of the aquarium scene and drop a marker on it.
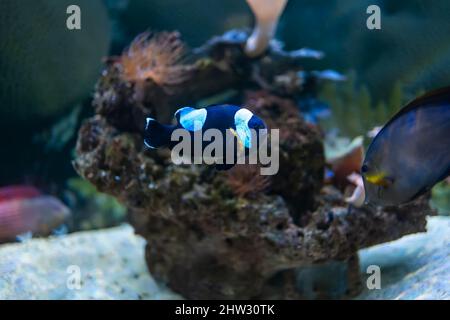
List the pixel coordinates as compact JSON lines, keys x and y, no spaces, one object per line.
{"x":224,"y":150}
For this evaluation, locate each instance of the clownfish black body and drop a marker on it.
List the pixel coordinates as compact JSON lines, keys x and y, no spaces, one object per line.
{"x":226,"y":119}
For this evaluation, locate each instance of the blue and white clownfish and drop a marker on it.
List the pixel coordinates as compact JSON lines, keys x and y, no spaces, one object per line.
{"x":240,"y":122}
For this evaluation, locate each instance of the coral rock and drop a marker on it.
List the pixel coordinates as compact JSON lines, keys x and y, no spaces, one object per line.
{"x":205,"y":237}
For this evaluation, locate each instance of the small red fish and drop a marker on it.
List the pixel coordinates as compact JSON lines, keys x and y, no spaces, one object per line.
{"x":39,"y":215}
{"x":18,"y":192}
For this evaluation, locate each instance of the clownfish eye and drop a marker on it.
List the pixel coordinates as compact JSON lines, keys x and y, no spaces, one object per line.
{"x":364,"y":168}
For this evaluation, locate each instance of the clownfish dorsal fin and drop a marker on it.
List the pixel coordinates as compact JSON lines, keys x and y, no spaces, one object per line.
{"x":191,"y":119}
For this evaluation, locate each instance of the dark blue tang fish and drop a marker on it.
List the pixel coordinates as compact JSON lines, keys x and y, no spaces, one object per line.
{"x":411,"y":153}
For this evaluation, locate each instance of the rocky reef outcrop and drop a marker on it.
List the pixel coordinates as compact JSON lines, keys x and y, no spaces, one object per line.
{"x":232,"y":234}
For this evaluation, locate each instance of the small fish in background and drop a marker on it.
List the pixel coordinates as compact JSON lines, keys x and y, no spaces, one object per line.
{"x":330,"y":75}
{"x":24,"y":213}
{"x":237,"y":120}
{"x":308,"y":53}
{"x":314,"y":110}
{"x":411,"y":153}
{"x":18,"y":192}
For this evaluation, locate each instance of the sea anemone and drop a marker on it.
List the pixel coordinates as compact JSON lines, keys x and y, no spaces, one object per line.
{"x":267,"y":14}
{"x":155,"y":56}
{"x":246,"y":180}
